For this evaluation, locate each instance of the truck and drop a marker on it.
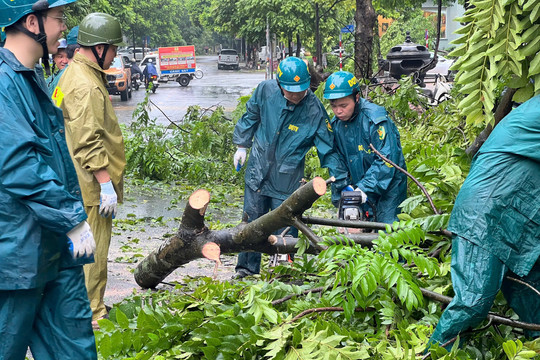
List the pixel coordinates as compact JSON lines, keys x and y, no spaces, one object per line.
{"x":174,"y":63}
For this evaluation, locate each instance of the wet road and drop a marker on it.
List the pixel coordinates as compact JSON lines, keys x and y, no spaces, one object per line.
{"x":217,"y":87}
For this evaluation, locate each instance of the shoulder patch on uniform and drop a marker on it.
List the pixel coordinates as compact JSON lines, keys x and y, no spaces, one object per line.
{"x":57,"y":96}
{"x":329,"y":126}
{"x":382,"y":132}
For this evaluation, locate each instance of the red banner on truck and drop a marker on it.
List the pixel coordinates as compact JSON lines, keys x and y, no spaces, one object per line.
{"x":177,"y":59}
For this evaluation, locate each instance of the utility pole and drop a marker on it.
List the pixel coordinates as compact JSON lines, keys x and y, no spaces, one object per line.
{"x":269,"y":64}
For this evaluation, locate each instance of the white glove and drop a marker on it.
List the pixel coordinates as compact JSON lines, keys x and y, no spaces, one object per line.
{"x":81,"y":240}
{"x":239,"y":158}
{"x":362,"y":195}
{"x":108,"y":200}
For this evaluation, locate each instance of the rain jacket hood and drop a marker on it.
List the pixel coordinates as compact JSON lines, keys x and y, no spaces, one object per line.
{"x":39,"y":193}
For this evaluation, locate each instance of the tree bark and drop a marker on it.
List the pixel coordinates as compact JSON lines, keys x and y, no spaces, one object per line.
{"x":192,"y":235}
{"x":364,"y":18}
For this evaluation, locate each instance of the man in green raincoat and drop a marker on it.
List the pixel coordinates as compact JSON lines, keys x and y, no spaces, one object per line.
{"x":44,"y":236}
{"x":95,"y":140}
{"x":357,"y":124}
{"x":496,"y":227}
{"x":283,"y":120}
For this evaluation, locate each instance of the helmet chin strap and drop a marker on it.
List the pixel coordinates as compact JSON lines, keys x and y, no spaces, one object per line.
{"x":40,"y":38}
{"x":100,"y":59}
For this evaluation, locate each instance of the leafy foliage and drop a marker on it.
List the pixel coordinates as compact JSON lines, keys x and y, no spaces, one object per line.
{"x":498,"y":46}
{"x":199,"y":149}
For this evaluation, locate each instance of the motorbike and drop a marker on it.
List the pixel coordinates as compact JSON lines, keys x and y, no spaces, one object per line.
{"x":152,"y":83}
{"x":136,"y":81}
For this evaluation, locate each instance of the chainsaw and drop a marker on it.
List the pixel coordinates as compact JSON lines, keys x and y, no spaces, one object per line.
{"x":351,"y":208}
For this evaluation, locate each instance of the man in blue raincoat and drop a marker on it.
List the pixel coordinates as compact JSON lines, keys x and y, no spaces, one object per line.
{"x":357,"y":124}
{"x":283,"y":120}
{"x":496,"y":227}
{"x":44,"y":238}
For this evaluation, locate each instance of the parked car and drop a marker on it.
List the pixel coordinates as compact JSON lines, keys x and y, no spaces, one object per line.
{"x":119,"y":78}
{"x":228,"y":58}
{"x":136,"y":53}
{"x":263,"y":54}
{"x":442,"y":67}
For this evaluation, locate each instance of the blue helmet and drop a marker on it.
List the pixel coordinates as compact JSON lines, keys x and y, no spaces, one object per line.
{"x":293,"y":74}
{"x":341,"y":84}
{"x":13,"y":10}
{"x":63,"y":44}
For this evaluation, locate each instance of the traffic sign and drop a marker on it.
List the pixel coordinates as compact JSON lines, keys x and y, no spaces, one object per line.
{"x":347,"y":29}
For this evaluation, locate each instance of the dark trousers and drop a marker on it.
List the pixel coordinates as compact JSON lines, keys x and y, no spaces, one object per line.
{"x":255,"y":206}
{"x":477,"y":277}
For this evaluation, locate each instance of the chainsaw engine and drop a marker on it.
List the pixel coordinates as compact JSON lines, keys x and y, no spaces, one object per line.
{"x":351,"y":208}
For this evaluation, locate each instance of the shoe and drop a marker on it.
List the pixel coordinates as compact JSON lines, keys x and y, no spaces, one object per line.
{"x":242,"y":273}
{"x":95,"y":325}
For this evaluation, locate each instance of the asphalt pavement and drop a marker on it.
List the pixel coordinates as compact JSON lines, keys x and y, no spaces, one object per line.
{"x":217,"y":87}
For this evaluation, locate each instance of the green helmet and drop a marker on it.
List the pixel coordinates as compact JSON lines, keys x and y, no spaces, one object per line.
{"x":341,"y":84}
{"x":100,"y":28}
{"x":293,"y":75}
{"x":13,"y":10}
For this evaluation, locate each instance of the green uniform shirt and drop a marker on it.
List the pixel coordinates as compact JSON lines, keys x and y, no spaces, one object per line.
{"x":92,"y":131}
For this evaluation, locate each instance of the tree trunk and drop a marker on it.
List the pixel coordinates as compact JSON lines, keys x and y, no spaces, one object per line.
{"x":365,"y":18}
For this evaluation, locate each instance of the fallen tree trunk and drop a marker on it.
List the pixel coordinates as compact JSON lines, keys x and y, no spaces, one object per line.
{"x":192,"y":235}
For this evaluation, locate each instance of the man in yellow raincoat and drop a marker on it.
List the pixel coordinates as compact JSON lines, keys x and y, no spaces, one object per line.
{"x":95,"y":140}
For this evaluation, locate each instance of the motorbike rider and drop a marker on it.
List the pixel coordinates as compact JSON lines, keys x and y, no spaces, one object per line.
{"x":135,"y":69}
{"x":357,"y":124}
{"x":149,"y":71}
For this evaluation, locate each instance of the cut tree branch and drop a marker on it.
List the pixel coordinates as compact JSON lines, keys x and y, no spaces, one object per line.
{"x":192,"y":235}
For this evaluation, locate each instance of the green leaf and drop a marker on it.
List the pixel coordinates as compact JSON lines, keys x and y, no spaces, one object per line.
{"x":510,"y":349}
{"x":105,"y":347}
{"x":122,"y":319}
{"x":535,"y":13}
{"x":523,"y":94}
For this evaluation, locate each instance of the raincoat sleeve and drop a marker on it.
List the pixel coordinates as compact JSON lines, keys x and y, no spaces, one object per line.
{"x":249,"y":122}
{"x":328,"y":156}
{"x":87,"y":127}
{"x":379,"y":175}
{"x":27,"y":177}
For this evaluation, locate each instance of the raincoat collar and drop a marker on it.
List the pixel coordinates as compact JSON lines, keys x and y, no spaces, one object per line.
{"x":9,"y":58}
{"x":84,"y":60}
